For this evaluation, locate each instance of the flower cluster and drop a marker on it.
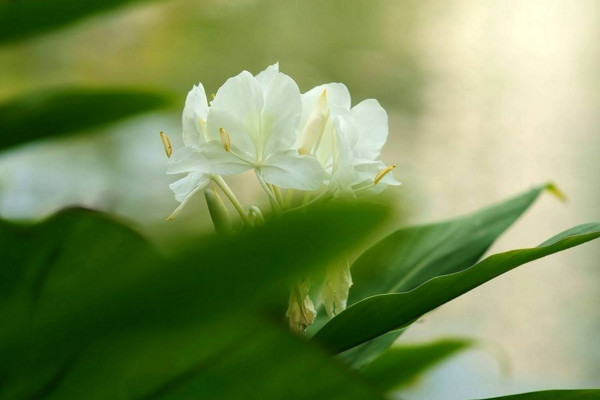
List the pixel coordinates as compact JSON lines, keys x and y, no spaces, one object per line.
{"x":313,"y":142}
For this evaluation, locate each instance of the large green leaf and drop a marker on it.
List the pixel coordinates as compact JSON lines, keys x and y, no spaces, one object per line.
{"x":25,"y":18}
{"x":58,"y":112}
{"x":585,"y":394}
{"x":401,"y":365}
{"x":411,"y":256}
{"x":380,"y":314}
{"x":79,"y":279}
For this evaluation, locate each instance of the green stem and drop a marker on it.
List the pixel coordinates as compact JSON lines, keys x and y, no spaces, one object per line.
{"x":272,"y":199}
{"x":229,"y":193}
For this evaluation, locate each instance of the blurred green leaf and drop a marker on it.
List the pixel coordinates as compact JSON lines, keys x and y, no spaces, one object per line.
{"x":380,"y":314}
{"x":58,"y":112}
{"x":588,"y":394}
{"x":411,"y":256}
{"x":79,"y":278}
{"x":22,"y":19}
{"x":401,"y":365}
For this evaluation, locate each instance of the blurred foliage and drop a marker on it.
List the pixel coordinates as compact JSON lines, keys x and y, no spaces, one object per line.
{"x":59,"y":112}
{"x":401,"y":365}
{"x":23,"y":19}
{"x":93,"y":284}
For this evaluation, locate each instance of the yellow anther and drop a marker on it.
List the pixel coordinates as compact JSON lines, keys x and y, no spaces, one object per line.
{"x":166,"y":143}
{"x":225,"y":139}
{"x":213,"y":95}
{"x":383,"y":173}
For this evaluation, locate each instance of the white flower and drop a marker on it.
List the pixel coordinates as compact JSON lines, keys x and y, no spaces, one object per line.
{"x":346,"y":140}
{"x":251,"y":123}
{"x":193,"y":122}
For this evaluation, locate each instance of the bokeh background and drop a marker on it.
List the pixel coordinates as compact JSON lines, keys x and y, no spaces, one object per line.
{"x":486,"y":99}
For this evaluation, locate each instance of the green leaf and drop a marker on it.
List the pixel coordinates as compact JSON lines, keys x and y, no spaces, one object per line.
{"x":52,"y":113}
{"x":380,"y":314}
{"x":411,"y":256}
{"x":80,"y":278}
{"x":401,"y":365}
{"x":585,"y":394}
{"x":25,"y":18}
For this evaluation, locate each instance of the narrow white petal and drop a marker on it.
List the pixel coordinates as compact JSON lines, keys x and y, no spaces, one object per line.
{"x":372,"y":122}
{"x":196,"y":108}
{"x":237,"y":108}
{"x":289,"y":170}
{"x":186,"y":187}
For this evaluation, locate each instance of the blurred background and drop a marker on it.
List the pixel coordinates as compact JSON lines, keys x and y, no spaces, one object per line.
{"x":486,"y":99}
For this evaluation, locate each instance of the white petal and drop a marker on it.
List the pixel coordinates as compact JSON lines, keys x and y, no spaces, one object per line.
{"x":216,"y":160}
{"x":196,"y":107}
{"x":265,"y":76}
{"x":337,"y":95}
{"x":186,"y":187}
{"x":237,"y":108}
{"x":185,"y":159}
{"x":289,"y":170}
{"x":372,"y":122}
{"x":336,"y":285}
{"x":282,"y":107}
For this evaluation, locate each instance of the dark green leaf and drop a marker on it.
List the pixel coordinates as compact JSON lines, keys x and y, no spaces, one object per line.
{"x":20,"y":19}
{"x":60,"y":112}
{"x":79,"y":278}
{"x":590,"y":394}
{"x":380,"y":314}
{"x":411,"y":256}
{"x":400,"y":365}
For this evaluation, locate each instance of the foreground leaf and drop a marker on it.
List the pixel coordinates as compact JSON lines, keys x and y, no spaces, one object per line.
{"x":53,"y":113}
{"x":79,"y":279}
{"x":590,"y":394}
{"x":380,"y":314}
{"x":411,"y":256}
{"x":401,"y":365}
{"x":23,"y":19}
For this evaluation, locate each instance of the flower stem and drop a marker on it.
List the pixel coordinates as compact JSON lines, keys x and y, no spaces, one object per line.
{"x":229,"y":193}
{"x":272,"y":199}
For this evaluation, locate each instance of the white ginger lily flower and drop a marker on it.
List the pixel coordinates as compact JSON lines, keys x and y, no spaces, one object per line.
{"x":251,"y":124}
{"x":193,"y":122}
{"x":346,"y":140}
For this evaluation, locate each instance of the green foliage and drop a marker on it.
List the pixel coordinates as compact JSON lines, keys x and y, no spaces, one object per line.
{"x":85,"y":301}
{"x":383,"y":313}
{"x":46,"y":114}
{"x":411,"y":256}
{"x":554,"y":395}
{"x":401,"y":365}
{"x":23,"y":19}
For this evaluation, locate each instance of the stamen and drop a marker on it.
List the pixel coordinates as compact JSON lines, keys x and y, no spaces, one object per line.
{"x":383,"y":173}
{"x":225,"y":139}
{"x":166,"y":143}
{"x":213,"y":95}
{"x":204,"y":129}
